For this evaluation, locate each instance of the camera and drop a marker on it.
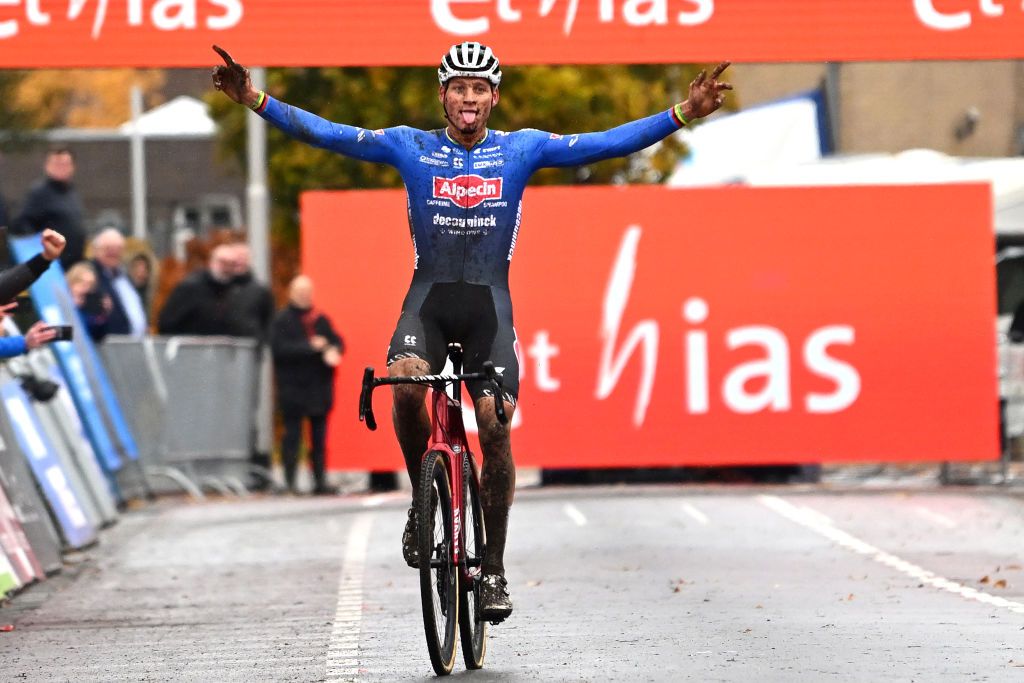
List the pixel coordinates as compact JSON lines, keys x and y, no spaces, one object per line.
{"x":64,"y":332}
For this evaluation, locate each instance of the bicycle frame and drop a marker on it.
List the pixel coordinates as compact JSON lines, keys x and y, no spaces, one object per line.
{"x":447,"y":435}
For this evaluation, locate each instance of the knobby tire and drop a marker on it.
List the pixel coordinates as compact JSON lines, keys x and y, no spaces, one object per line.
{"x":439,"y":581}
{"x":472,"y":630}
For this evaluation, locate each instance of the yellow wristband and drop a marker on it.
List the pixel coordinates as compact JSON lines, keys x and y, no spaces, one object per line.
{"x":255,"y":106}
{"x":678,"y":111}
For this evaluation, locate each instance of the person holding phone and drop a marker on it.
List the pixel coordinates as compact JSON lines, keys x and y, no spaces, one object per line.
{"x":15,"y":280}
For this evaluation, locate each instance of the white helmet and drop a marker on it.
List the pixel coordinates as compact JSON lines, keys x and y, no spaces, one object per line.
{"x":469,"y":60}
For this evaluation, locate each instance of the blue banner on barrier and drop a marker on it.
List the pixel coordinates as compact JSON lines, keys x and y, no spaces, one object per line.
{"x":46,"y":467}
{"x":80,"y":363}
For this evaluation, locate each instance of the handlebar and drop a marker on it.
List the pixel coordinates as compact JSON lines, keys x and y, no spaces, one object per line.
{"x":437,"y":381}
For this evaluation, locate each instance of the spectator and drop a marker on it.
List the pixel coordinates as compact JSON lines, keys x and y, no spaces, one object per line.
{"x":199,"y":304}
{"x":251,"y":301}
{"x":37,"y":335}
{"x":93,"y":307}
{"x":252,"y":304}
{"x":127,"y":315}
{"x":14,"y":280}
{"x":306,"y":350}
{"x":54,"y":203}
{"x":140,"y":273}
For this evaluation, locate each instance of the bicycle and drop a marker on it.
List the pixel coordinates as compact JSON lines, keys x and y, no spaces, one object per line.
{"x":449,"y":517}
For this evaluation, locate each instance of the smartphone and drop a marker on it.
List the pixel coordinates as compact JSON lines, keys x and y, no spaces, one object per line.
{"x":64,"y":332}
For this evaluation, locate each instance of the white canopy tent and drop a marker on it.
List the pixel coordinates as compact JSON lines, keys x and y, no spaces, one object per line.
{"x":782,"y":144}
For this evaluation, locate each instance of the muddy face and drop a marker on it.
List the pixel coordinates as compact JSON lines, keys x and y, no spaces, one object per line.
{"x":467,"y":104}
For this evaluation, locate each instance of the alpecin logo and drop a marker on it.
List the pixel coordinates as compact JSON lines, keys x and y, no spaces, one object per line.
{"x":467,"y":191}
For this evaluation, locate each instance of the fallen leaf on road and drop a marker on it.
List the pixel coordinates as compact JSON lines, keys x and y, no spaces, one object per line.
{"x":1001,"y":583}
{"x":7,"y":627}
{"x":1012,"y":567}
{"x":984,"y":579}
{"x":533,"y":583}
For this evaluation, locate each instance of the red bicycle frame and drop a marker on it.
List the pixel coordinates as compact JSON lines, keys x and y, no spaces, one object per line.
{"x":447,"y":433}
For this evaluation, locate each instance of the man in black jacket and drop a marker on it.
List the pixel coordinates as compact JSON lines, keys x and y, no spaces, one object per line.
{"x":306,"y":351}
{"x":54,"y":203}
{"x":200,"y":304}
{"x":252,"y":302}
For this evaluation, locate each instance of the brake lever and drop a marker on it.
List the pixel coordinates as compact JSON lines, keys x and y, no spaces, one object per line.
{"x":499,"y":402}
{"x":366,"y":401}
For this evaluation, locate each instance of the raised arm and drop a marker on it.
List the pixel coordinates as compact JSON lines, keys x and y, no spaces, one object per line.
{"x":706,"y":94}
{"x":17,"y":278}
{"x":233,"y":80}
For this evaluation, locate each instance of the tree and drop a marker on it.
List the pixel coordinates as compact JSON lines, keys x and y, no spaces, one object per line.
{"x":554,"y":98}
{"x":97,"y":98}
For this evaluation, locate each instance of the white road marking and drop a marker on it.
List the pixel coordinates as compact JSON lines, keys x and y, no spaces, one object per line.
{"x":937,"y":517}
{"x":574,"y":514}
{"x":695,"y":513}
{"x":850,"y":542}
{"x":343,"y":652}
{"x":381,"y":498}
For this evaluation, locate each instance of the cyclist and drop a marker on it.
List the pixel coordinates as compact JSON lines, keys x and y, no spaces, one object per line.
{"x":464,"y":184}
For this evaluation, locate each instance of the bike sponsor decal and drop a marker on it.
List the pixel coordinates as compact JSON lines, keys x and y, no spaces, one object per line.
{"x":492,"y":163}
{"x":467,"y":191}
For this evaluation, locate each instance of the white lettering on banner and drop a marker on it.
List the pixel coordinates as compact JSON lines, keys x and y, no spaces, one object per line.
{"x":645,"y":333}
{"x":844,"y":375}
{"x":774,"y":367}
{"x":165,"y":15}
{"x":634,"y":13}
{"x":34,"y":14}
{"x":933,"y":18}
{"x":695,"y":311}
{"x":542,"y":351}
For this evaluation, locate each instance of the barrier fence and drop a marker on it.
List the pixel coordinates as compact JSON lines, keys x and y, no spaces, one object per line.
{"x":188,"y":403}
{"x":191,"y":398}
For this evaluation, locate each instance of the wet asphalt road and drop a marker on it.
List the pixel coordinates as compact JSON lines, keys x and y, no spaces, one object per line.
{"x":610,"y":584}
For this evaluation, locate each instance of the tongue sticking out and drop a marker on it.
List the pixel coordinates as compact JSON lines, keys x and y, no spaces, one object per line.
{"x":468,"y":117}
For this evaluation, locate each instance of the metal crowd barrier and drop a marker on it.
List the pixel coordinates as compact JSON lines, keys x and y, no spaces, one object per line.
{"x":191,"y":400}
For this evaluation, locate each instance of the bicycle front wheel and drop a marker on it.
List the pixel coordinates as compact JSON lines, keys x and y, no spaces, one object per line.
{"x":472,"y":630}
{"x":439,"y":579}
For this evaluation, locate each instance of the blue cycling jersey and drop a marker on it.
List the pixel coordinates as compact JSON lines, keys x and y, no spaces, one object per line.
{"x":465,"y":206}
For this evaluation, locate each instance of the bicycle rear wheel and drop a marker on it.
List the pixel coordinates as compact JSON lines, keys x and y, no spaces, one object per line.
{"x":472,"y":630}
{"x":439,"y":580}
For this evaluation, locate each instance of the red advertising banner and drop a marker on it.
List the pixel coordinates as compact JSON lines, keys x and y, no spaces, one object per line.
{"x":178,"y":33}
{"x":701,"y":327}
